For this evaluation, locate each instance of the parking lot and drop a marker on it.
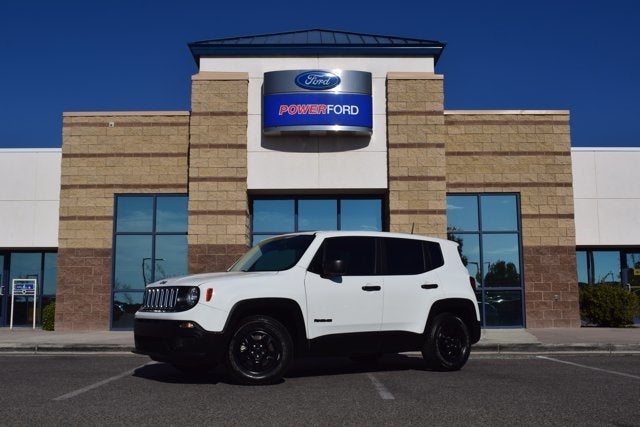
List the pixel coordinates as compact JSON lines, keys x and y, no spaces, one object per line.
{"x":100,"y":389}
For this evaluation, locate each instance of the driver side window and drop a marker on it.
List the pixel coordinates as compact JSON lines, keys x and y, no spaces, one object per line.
{"x":357,"y":253}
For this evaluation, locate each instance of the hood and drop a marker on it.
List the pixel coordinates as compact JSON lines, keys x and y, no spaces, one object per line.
{"x":211,"y":278}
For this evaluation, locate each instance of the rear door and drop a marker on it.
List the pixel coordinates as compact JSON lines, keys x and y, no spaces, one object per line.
{"x":411,"y":282}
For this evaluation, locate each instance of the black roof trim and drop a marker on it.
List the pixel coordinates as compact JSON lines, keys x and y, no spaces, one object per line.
{"x":317,"y":41}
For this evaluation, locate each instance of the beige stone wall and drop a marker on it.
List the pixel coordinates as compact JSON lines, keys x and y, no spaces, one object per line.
{"x":416,"y":150}
{"x":526,"y":153}
{"x":104,"y":154}
{"x":218,"y":210}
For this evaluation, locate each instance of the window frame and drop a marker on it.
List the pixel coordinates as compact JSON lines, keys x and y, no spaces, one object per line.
{"x":296,"y":220}
{"x":481,"y":233}
{"x":153,"y":234}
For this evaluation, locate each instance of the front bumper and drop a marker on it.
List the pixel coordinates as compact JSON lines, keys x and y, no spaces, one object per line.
{"x":169,"y":341}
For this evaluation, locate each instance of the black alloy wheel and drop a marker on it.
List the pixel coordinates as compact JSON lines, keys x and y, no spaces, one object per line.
{"x":260,"y":351}
{"x":447,"y":347}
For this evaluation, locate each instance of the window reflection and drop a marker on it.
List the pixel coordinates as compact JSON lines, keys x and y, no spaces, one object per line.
{"x":486,"y":226}
{"x":503,"y":308}
{"x":276,"y":216}
{"x":125,"y":305}
{"x":499,"y":213}
{"x":134,"y":214}
{"x":171,"y":251}
{"x":149,"y":246}
{"x":606,"y":267}
{"x":171,"y":214}
{"x":583,"y":269}
{"x":462,"y":213}
{"x":132,"y":262}
{"x":317,"y":215}
{"x":501,"y":258}
{"x":361,"y":214}
{"x":273,"y":216}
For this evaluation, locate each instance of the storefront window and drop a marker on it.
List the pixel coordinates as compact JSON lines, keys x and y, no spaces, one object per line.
{"x":150,"y":245}
{"x":487,"y":229}
{"x":272,"y":216}
{"x":41,"y":266}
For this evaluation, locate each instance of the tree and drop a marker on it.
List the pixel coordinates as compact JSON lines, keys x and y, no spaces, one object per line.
{"x":502,"y":273}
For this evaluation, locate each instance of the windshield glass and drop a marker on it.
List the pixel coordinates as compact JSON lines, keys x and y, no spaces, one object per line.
{"x":280,"y":253}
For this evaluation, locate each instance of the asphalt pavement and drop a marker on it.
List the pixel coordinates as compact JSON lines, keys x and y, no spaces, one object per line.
{"x":506,"y":341}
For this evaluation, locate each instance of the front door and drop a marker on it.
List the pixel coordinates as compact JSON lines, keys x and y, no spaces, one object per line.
{"x":345,"y":310}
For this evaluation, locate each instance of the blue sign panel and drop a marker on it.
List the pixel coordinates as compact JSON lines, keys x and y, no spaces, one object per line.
{"x":317,"y":101}
{"x":297,"y":109}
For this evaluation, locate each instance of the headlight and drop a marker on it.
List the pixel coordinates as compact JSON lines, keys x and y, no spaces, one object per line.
{"x":187,"y":298}
{"x":193,"y":294}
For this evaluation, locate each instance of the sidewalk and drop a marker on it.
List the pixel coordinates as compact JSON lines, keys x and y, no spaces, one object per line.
{"x":503,"y":341}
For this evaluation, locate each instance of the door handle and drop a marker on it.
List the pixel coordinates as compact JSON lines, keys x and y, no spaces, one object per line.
{"x":370,"y":288}
{"x":429,"y":286}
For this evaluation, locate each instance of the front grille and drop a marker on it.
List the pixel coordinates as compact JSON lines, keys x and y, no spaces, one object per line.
{"x":160,"y":299}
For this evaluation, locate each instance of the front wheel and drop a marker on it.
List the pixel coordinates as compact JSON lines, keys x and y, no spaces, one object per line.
{"x":447,"y":346}
{"x":260,"y":351}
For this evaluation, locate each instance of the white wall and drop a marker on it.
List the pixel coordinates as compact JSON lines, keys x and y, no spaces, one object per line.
{"x":322,"y":162}
{"x":29,"y":197}
{"x":606,"y":185}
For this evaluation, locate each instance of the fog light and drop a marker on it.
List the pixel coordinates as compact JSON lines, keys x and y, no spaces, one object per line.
{"x":187,"y":325}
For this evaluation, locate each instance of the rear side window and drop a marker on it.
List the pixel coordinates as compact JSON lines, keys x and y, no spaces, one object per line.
{"x":433,"y":255}
{"x":404,"y":256}
{"x":409,"y":256}
{"x":358,"y":254}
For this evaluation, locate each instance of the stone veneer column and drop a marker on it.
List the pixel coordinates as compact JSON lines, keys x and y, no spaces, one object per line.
{"x":416,"y":144}
{"x":218,"y":213}
{"x":528,"y":153}
{"x":104,"y":154}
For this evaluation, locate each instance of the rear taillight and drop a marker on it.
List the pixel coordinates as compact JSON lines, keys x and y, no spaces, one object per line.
{"x":472,"y":282}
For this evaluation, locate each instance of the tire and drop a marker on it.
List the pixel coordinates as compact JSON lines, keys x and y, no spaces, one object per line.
{"x":447,"y":346}
{"x":260,"y":351}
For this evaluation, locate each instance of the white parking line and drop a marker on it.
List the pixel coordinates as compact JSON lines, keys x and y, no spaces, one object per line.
{"x":380,"y":388}
{"x":98,"y":384}
{"x":622,"y":374}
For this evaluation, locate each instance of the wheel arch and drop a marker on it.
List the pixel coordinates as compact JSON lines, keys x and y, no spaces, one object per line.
{"x":284,"y":310}
{"x":463,"y":308}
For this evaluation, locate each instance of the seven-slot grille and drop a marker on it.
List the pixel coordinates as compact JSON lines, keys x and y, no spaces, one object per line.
{"x":160,"y":299}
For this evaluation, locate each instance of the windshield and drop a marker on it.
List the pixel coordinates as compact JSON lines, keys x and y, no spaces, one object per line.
{"x":276,"y":254}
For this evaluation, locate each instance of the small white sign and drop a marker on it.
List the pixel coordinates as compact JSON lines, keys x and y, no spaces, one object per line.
{"x":26,"y":287}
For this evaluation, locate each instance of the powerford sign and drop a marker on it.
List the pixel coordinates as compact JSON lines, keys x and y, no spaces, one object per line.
{"x":317,"y":101}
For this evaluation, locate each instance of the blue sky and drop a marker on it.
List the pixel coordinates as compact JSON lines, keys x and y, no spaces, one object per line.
{"x":128,"y":55}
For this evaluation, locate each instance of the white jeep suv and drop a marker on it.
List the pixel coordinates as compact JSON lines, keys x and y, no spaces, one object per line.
{"x":357,"y":294}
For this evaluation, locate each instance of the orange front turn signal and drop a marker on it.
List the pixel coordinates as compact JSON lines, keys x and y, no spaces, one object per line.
{"x":209,"y":294}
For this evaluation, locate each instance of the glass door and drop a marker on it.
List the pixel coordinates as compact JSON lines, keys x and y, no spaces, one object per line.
{"x":4,"y":294}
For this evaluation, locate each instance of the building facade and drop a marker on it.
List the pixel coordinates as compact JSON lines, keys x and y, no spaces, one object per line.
{"x":147,"y":195}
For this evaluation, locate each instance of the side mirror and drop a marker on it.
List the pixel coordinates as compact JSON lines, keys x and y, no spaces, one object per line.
{"x":334,"y":267}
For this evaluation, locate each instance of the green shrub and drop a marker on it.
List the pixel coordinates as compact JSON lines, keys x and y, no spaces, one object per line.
{"x":49,"y":317}
{"x":608,"y":305}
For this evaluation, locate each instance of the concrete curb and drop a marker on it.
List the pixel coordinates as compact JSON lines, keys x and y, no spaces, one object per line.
{"x":534,"y":348}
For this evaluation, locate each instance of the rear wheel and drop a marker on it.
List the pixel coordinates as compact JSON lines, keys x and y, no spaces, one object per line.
{"x":260,"y":351}
{"x":447,"y":346}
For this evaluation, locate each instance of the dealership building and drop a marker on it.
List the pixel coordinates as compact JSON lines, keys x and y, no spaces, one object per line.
{"x":304,"y":131}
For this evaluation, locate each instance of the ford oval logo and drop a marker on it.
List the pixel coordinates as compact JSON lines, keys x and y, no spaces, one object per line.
{"x":317,"y":80}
